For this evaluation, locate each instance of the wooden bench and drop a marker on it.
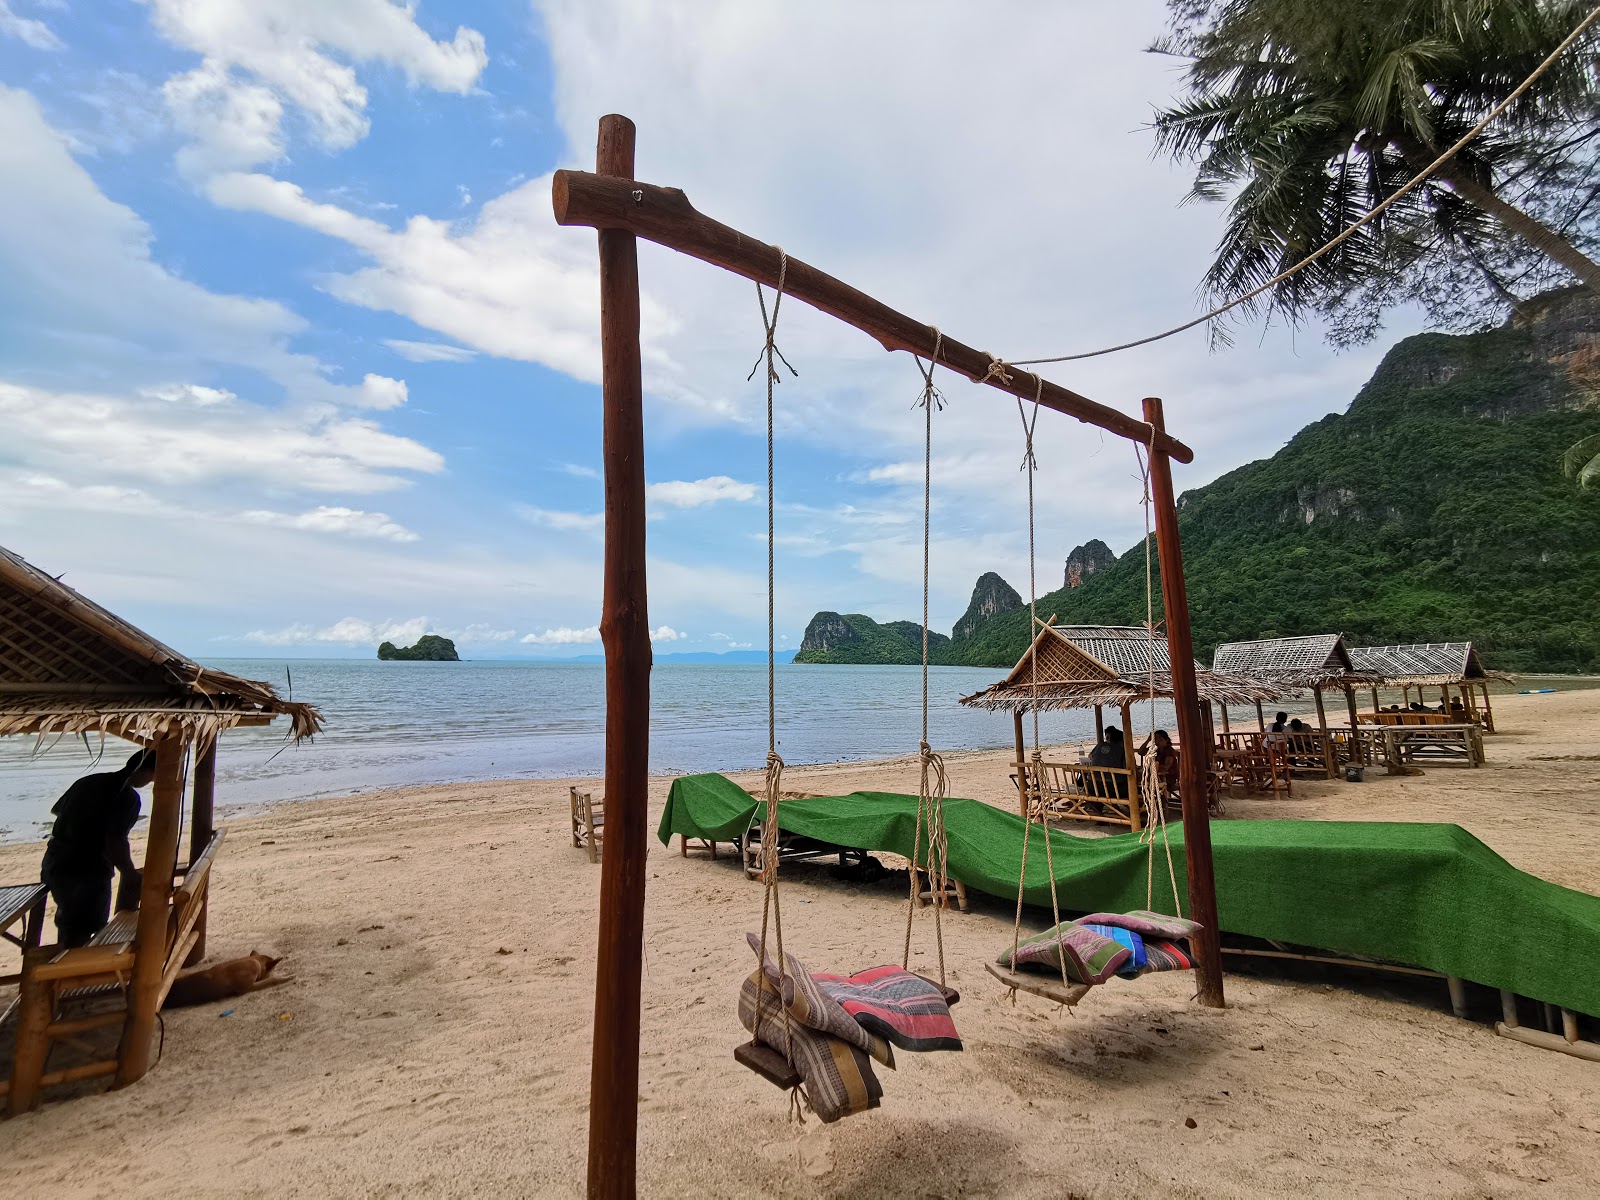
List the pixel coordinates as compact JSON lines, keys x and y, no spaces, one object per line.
{"x":1079,"y":792}
{"x":588,"y":823}
{"x":1446,"y":743}
{"x":52,"y":978}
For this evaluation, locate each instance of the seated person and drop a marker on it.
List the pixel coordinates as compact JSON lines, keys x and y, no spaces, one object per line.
{"x":1299,"y":726}
{"x":1458,"y":710}
{"x":1418,"y":706}
{"x":1110,"y":753}
{"x":89,"y":844}
{"x":1280,"y":723}
{"x":1166,"y":761}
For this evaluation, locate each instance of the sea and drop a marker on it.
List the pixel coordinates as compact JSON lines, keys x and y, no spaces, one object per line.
{"x":403,"y":724}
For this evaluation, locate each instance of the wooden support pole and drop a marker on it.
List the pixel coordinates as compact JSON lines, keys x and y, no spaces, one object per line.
{"x":1099,"y":724}
{"x":1225,"y":728}
{"x":665,"y":216}
{"x":1327,"y":742}
{"x":1357,"y":752}
{"x":1488,"y":710}
{"x":625,"y":633}
{"x":1130,"y":760}
{"x":155,"y":896}
{"x":1195,"y":760}
{"x":202,"y":824}
{"x":1022,"y":765}
{"x":1261,"y":717}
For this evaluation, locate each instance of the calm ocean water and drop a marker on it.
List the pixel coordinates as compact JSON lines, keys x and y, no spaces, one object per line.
{"x":402,"y":724}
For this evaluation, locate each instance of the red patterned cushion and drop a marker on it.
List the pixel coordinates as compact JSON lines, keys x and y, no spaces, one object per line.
{"x":904,"y":1008}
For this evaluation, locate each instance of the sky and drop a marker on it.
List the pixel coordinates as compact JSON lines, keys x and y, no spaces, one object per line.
{"x":294,"y":359}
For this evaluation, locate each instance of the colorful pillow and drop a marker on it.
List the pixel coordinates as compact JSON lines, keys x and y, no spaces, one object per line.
{"x":1125,"y":937}
{"x":815,"y":1008}
{"x":837,"y":1077}
{"x":1146,"y":923}
{"x":1086,"y":956}
{"x":1167,"y":956}
{"x":896,"y":1005}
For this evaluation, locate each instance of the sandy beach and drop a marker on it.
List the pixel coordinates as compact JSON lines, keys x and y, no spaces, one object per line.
{"x":435,"y":1037}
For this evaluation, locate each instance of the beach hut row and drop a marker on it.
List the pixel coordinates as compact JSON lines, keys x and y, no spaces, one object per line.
{"x":71,"y":669}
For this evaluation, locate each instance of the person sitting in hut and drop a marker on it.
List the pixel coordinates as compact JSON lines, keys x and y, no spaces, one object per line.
{"x":1299,"y":726}
{"x":1280,"y":723}
{"x":1418,"y":706}
{"x":1166,"y":761}
{"x":1458,"y":710}
{"x":89,"y":844}
{"x":1110,"y":753}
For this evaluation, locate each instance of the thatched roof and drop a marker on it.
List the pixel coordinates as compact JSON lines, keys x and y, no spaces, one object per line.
{"x":1435,"y":664}
{"x":1080,"y":666}
{"x":1312,"y":661}
{"x":69,"y":666}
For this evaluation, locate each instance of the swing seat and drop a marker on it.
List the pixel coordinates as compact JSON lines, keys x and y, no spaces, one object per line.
{"x":767,"y":1063}
{"x":1047,"y":987}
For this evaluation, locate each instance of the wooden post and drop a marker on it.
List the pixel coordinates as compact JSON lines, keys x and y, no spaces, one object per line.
{"x":1322,"y":724}
{"x":1195,"y":759}
{"x":1357,"y":754}
{"x":1225,"y":728}
{"x":625,"y":633}
{"x":1488,"y":710}
{"x":1374,"y":699}
{"x":1131,"y":761}
{"x":1261,"y":717}
{"x":1022,"y":765}
{"x":155,"y":897}
{"x":1099,"y":724}
{"x":202,"y":824}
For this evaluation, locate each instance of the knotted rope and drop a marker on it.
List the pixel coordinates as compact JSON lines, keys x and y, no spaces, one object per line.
{"x":1150,"y":769}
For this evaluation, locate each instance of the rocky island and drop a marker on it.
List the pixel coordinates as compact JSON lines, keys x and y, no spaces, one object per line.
{"x":430,"y":647}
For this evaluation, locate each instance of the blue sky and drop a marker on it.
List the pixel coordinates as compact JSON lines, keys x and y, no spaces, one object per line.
{"x":293,"y":357}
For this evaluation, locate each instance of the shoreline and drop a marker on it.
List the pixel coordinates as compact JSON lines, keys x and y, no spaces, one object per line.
{"x":435,"y":1035}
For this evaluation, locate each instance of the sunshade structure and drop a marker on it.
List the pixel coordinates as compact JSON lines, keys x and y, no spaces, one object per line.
{"x":68,"y":667}
{"x":1093,"y":666}
{"x":1442,"y":665}
{"x":1309,"y":663}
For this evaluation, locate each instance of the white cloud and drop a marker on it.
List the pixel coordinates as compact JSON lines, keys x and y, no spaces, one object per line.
{"x":682,"y":493}
{"x":667,"y":633}
{"x":259,"y":57}
{"x":352,"y":631}
{"x":563,"y":637}
{"x":148,"y":438}
{"x":566,"y":521}
{"x":351,"y":522}
{"x":379,"y":391}
{"x":191,"y":393}
{"x":27,"y":30}
{"x":424,"y":352}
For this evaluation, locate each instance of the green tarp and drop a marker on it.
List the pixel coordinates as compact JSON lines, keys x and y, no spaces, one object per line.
{"x":1429,"y":895}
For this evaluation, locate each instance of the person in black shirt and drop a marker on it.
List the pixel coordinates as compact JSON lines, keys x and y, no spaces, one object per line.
{"x":89,"y":843}
{"x":1110,"y":753}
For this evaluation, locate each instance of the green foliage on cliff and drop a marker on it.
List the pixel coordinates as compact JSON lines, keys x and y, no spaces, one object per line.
{"x":430,"y":647}
{"x":1434,"y":509}
{"x":854,"y":638}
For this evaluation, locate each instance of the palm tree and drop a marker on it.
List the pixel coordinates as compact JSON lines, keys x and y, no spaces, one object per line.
{"x":1307,"y":113}
{"x":1582,"y":460}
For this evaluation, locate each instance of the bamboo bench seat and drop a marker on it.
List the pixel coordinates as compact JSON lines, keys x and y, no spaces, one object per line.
{"x":52,"y":978}
{"x":21,"y":902}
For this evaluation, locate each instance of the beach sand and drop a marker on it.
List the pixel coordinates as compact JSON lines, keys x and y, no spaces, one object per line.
{"x":435,"y":1037}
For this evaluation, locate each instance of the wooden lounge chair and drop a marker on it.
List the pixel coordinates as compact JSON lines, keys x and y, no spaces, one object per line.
{"x":588,"y":822}
{"x":54,"y":979}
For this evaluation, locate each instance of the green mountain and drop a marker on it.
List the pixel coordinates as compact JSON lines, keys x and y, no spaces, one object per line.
{"x":853,"y":638}
{"x":1433,"y":509}
{"x":430,"y":647}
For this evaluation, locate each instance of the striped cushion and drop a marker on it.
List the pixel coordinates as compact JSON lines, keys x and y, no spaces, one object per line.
{"x":811,"y":1005}
{"x":1146,"y":923}
{"x":901,"y":1007}
{"x":1086,"y":956}
{"x":837,"y":1077}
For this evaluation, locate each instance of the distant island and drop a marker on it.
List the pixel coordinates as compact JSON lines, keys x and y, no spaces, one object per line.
{"x":430,"y":647}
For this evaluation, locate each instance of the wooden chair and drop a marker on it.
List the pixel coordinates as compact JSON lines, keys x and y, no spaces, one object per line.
{"x":588,"y":823}
{"x":24,"y":903}
{"x":1077,"y":791}
{"x":53,"y":979}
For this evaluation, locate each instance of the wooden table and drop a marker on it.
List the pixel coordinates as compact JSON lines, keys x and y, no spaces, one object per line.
{"x":22,"y":902}
{"x":1401,"y":744}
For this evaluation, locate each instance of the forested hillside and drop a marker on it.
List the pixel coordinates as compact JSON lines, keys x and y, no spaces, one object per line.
{"x":1433,"y":509}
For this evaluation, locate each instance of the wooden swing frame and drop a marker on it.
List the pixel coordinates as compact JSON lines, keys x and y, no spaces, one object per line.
{"x":622,"y":209}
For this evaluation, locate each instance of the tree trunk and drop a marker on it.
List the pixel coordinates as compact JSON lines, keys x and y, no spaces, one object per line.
{"x":1537,"y":234}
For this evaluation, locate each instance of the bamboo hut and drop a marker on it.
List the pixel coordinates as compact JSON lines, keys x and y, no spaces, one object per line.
{"x":1442,"y":665}
{"x":1095,"y":666}
{"x":1311,"y":663}
{"x":70,"y":668}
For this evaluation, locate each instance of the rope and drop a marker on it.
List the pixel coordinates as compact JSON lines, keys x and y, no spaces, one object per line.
{"x":930,"y":797}
{"x":1150,"y":769}
{"x":772,"y":903}
{"x":1371,"y":214}
{"x":1030,"y":464}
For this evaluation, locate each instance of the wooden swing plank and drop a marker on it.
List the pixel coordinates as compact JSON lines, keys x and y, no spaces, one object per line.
{"x":767,"y":1063}
{"x":1047,"y":986}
